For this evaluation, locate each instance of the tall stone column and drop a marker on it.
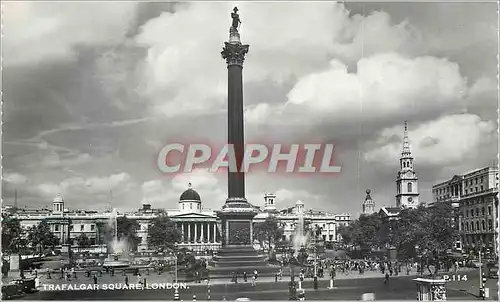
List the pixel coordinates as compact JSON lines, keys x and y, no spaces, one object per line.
{"x":189,"y":232}
{"x":234,"y":54}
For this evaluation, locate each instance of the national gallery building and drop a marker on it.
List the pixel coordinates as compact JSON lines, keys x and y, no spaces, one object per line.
{"x":200,"y":227}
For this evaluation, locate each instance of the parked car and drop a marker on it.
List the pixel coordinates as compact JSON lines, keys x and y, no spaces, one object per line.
{"x":473,"y":264}
{"x":11,"y":291}
{"x":492,"y":270}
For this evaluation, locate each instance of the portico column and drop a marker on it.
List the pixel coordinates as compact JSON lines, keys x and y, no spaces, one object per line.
{"x":203,"y":232}
{"x":196,"y":237}
{"x":214,"y":227}
{"x":62,"y":233}
{"x":251,"y":232}
{"x":189,"y":232}
{"x":183,"y":234}
{"x":227,"y":232}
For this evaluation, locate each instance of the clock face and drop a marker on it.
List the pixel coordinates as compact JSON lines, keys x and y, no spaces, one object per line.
{"x":409,"y":174}
{"x":410,"y":200}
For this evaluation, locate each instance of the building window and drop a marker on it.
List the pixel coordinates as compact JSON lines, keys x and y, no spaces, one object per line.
{"x":82,"y":228}
{"x":191,"y":206}
{"x":462,"y":226}
{"x":409,"y":186}
{"x":472,"y":213}
{"x":477,"y":211}
{"x":71,"y":228}
{"x":477,"y":225}
{"x":482,"y":211}
{"x":490,"y":225}
{"x":466,"y":213}
{"x":56,"y":228}
{"x":481,"y":179}
{"x":92,"y":227}
{"x":483,"y":225}
{"x":482,"y":188}
{"x":472,"y":226}
{"x":476,"y":181}
{"x":489,"y":210}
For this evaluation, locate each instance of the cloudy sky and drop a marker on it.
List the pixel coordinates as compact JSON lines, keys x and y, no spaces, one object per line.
{"x":92,"y":91}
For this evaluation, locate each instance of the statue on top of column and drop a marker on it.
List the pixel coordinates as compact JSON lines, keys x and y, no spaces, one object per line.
{"x":236,"y":20}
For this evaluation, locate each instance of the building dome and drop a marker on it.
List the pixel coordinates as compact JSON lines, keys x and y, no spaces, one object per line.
{"x":299,"y":203}
{"x":190,"y":195}
{"x":58,"y":198}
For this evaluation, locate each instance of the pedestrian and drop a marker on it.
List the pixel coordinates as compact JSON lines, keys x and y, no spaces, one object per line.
{"x":255,"y":273}
{"x":126,"y":280}
{"x":253,"y":280}
{"x":37,"y":282}
{"x":95,"y":279}
{"x":245,"y":277}
{"x":386,"y":281}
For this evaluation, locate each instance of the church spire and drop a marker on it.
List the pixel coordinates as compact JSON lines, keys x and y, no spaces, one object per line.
{"x":406,"y":181}
{"x":406,"y":153}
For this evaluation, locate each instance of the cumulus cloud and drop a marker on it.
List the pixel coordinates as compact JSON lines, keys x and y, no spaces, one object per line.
{"x":384,"y":86}
{"x":445,"y":141}
{"x":15,"y":178}
{"x":36,"y":31}
{"x":184,"y":73}
{"x":88,"y":186}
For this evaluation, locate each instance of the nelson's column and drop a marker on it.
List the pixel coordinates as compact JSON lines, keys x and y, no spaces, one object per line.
{"x":237,"y":213}
{"x":237,"y":254}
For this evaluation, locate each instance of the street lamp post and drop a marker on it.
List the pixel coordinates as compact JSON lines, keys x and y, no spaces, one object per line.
{"x":176,"y":260}
{"x":316,"y":235}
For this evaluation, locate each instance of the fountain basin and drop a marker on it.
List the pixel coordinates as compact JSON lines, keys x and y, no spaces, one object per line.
{"x":116,"y":263}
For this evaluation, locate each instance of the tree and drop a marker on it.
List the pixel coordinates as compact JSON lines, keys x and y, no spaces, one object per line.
{"x":162,"y":233}
{"x":40,"y":236}
{"x":83,"y":241}
{"x":268,"y":231}
{"x":127,"y":230}
{"x":13,"y":236}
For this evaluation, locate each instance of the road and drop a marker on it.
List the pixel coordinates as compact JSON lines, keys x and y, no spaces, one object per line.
{"x":399,"y":288}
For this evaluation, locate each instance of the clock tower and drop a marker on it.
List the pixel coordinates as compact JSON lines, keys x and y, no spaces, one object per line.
{"x":406,"y":180}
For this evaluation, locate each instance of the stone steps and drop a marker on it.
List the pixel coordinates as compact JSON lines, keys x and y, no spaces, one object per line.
{"x":221,"y":259}
{"x":240,"y":263}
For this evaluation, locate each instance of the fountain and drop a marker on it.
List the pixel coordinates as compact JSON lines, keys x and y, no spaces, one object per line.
{"x":117,"y":247}
{"x":299,"y":238}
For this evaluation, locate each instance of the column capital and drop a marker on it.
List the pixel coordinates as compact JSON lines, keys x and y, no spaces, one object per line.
{"x":234,"y":53}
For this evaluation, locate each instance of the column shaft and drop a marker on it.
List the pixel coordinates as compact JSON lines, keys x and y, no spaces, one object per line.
{"x":196,"y":237}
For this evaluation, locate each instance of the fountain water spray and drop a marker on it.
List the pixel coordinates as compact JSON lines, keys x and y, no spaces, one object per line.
{"x":118,"y":246}
{"x":300,"y":238}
